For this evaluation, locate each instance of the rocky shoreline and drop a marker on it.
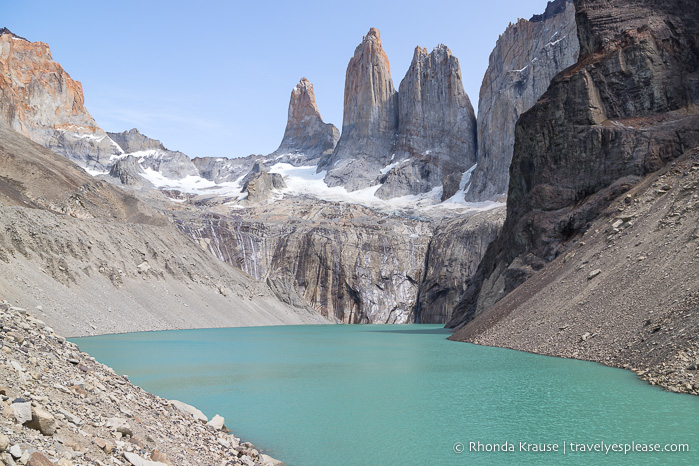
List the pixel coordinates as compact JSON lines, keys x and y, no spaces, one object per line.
{"x":61,"y":407}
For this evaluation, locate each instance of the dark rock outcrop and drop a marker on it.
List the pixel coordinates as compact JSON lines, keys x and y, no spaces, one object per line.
{"x":128,"y":172}
{"x":341,"y":259}
{"x":259,"y":183}
{"x":436,"y":126}
{"x":306,"y":137}
{"x":370,"y":119}
{"x":525,"y":59}
{"x":627,"y":108}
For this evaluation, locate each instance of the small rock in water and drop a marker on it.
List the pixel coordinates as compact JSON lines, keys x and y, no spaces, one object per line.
{"x":216,"y":422}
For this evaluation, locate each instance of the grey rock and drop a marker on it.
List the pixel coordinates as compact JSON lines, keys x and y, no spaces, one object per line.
{"x":436,"y":125}
{"x":22,"y":411}
{"x":267,"y":460}
{"x":128,"y":171}
{"x":16,"y":451}
{"x":133,"y":141}
{"x":43,"y":421}
{"x":189,"y":410}
{"x":259,"y":184}
{"x":525,"y":59}
{"x":120,"y":424}
{"x":306,"y":137}
{"x":454,"y":252}
{"x":216,"y":422}
{"x":150,"y":153}
{"x":136,"y":460}
{"x":219,"y":169}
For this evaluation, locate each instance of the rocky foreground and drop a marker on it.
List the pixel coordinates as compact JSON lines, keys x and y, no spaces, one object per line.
{"x":60,"y":406}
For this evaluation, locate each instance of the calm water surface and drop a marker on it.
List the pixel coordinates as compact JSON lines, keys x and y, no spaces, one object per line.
{"x":400,"y":394}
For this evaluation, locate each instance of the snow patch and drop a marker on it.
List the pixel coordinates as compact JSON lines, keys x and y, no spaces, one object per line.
{"x":388,"y":168}
{"x":192,"y":184}
{"x":95,"y":172}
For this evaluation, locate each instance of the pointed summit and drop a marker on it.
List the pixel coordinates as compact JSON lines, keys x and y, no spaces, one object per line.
{"x":306,"y":136}
{"x":370,"y":118}
{"x":437,"y":126}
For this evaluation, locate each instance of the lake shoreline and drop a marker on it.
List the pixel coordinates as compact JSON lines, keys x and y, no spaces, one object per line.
{"x":61,"y":406}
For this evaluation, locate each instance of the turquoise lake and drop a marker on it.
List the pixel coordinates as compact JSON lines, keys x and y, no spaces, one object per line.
{"x":401,"y":394}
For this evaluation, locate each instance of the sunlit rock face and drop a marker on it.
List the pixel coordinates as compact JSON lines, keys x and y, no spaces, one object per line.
{"x":306,"y":137}
{"x":40,"y":100}
{"x":370,"y":119}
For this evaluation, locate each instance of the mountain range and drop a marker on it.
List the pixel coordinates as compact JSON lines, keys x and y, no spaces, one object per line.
{"x":587,"y":128}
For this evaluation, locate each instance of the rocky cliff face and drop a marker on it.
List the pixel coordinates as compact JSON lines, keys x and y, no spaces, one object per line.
{"x":348,"y":261}
{"x":454,"y":252}
{"x":525,"y":59}
{"x":41,"y":101}
{"x":133,"y":141}
{"x":151,"y":153}
{"x":627,"y":108}
{"x":306,"y":137}
{"x":436,"y":126}
{"x":343,"y":260}
{"x":259,"y":184}
{"x":220,"y":170}
{"x":101,"y":261}
{"x":370,"y":119}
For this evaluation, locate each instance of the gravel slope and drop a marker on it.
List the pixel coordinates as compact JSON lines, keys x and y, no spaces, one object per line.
{"x":625,"y":294}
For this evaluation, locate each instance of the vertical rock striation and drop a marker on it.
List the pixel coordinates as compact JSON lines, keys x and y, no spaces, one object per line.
{"x":370,"y":119}
{"x":40,"y":100}
{"x":436,"y":125}
{"x":306,"y":138}
{"x":628,"y":107}
{"x":453,"y":255}
{"x":525,"y":59}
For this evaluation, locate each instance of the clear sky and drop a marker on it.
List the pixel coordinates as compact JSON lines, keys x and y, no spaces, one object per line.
{"x":213,"y":78}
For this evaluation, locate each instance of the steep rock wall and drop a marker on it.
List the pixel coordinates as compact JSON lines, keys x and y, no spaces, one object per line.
{"x":306,"y":137}
{"x":40,"y":100}
{"x":436,"y":126}
{"x":525,"y":59}
{"x":627,"y":108}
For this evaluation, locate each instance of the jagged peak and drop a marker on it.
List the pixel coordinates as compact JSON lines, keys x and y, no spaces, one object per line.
{"x":419,"y":53}
{"x":372,"y":41}
{"x":4,"y":31}
{"x":373,"y":35}
{"x":303,"y":100}
{"x":552,"y":9}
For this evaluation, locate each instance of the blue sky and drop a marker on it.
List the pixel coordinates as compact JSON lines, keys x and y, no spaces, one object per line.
{"x":214,"y":78}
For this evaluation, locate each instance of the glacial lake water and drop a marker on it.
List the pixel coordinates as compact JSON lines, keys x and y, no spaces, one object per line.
{"x":401,"y":394}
